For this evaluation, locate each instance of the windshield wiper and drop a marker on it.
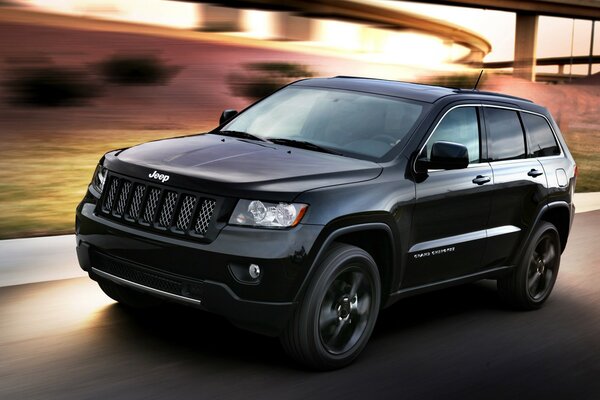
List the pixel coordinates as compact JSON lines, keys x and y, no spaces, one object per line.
{"x":240,"y":134}
{"x":303,"y":144}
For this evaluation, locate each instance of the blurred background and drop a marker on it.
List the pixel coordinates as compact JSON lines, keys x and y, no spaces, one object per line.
{"x":81,"y":77}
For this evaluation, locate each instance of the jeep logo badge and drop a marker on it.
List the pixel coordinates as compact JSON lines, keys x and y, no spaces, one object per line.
{"x":161,"y":177}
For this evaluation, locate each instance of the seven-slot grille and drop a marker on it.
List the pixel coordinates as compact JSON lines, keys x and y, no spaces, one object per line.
{"x":155,"y":207}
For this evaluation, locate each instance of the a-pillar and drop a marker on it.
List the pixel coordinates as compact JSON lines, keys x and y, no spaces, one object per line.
{"x":525,"y":46}
{"x":220,"y":19}
{"x":287,"y":26}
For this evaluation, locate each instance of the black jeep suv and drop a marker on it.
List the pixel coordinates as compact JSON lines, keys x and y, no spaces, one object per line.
{"x":305,"y":214}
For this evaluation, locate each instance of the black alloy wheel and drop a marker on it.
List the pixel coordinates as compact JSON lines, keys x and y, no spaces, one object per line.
{"x":344,"y":312}
{"x":335,"y":318}
{"x":529,"y":285}
{"x":542,"y":266}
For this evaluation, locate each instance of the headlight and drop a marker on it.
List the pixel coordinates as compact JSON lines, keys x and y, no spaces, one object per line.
{"x":271,"y":215}
{"x":99,"y":178}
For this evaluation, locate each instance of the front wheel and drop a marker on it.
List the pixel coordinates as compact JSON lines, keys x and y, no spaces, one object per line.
{"x":531,"y":283}
{"x":333,"y":322}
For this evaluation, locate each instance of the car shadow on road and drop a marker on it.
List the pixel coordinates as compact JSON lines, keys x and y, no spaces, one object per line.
{"x":202,"y":337}
{"x":416,"y":311}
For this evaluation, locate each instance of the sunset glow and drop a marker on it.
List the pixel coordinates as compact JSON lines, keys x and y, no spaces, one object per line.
{"x":357,"y":41}
{"x":381,"y":46}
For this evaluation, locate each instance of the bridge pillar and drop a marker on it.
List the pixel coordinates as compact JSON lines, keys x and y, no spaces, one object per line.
{"x":287,"y":26}
{"x":220,"y":19}
{"x":525,"y":46}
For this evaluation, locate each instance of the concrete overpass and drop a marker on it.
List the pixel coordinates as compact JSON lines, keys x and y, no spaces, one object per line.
{"x":293,"y":20}
{"x":581,"y":9}
{"x":528,"y":12}
{"x":560,"y":62}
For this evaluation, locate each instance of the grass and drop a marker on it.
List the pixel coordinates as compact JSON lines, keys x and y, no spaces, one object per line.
{"x":44,"y":176}
{"x":585,"y":148}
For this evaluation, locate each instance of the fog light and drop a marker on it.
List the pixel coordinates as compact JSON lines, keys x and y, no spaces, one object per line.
{"x":254,"y":271}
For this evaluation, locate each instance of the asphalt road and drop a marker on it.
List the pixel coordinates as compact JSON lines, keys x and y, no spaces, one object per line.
{"x":66,"y":340}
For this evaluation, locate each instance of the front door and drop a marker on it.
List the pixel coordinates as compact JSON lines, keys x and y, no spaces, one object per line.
{"x":452,"y":207}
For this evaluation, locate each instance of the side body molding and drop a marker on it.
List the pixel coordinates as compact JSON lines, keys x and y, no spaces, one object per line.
{"x":465,"y":237}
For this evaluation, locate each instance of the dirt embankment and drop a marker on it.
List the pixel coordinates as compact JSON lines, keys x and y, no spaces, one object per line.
{"x":575,"y":106}
{"x":192,"y":101}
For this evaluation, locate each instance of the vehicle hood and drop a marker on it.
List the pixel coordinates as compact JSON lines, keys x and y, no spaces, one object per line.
{"x":227,"y":166}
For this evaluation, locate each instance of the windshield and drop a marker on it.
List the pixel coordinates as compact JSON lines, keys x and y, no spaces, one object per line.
{"x":346,"y":122}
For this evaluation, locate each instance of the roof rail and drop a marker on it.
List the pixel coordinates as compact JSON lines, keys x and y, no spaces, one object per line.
{"x":389,"y":80}
{"x":363,"y":77}
{"x":458,"y":90}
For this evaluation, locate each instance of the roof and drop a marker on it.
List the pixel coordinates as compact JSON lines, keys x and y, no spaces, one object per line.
{"x":413,"y":91}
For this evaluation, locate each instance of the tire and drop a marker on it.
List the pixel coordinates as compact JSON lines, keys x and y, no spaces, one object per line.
{"x":332,"y":324}
{"x":128,"y":297}
{"x":529,"y":285}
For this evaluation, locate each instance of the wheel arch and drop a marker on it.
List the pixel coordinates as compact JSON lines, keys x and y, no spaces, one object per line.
{"x":376,"y":238}
{"x":558,"y":214}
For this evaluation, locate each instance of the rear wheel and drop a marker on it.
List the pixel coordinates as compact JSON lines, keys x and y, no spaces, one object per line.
{"x":128,"y":297}
{"x":531,"y":283}
{"x":335,"y":319}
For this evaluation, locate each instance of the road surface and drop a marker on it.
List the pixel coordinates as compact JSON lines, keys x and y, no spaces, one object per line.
{"x":65,"y":340}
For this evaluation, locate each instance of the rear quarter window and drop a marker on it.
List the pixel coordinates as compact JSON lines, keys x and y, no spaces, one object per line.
{"x":541,"y":141}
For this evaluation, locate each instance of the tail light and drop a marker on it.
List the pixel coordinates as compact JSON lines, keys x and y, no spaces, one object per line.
{"x":576,"y":171}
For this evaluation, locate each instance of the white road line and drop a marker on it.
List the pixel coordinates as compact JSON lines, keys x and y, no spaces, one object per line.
{"x":38,"y":260}
{"x":587,"y":202}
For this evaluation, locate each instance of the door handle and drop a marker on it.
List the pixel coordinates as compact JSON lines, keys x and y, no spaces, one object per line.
{"x":535,"y":173}
{"x":480,"y":179}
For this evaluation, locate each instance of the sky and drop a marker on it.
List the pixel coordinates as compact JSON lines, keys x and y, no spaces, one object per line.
{"x":554,"y":34}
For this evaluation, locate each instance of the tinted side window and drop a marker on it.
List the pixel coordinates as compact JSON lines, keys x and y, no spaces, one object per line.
{"x":540,"y":139}
{"x":505,"y":134}
{"x":460,"y":125}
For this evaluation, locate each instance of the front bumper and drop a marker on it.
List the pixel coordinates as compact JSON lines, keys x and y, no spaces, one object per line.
{"x":201,"y":274}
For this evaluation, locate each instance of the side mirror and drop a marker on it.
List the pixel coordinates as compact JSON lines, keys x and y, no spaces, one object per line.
{"x":445,"y":155}
{"x":227,"y":115}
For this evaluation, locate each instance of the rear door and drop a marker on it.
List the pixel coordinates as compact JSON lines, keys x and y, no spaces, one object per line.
{"x":519,"y":188}
{"x":543,"y":145}
{"x":452,"y":206}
